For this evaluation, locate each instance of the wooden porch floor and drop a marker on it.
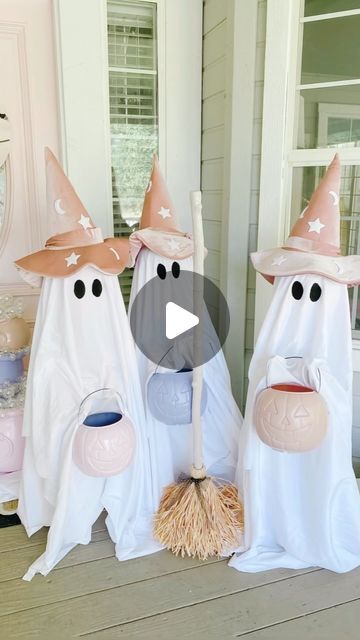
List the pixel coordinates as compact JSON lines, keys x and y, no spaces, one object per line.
{"x":92,"y":595}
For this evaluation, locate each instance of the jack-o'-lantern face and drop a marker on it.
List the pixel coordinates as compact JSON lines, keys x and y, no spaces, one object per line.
{"x":170,"y":397}
{"x":104,"y":451}
{"x":290,"y":418}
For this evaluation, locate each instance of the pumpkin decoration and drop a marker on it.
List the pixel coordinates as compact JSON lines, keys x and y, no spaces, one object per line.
{"x":170,"y":397}
{"x":14,"y":334}
{"x":104,"y":444}
{"x":11,"y":441}
{"x":291,"y":418}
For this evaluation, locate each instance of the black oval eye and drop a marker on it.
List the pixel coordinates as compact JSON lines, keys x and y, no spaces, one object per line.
{"x":297,"y":290}
{"x":315,"y":292}
{"x":79,"y":289}
{"x":175,"y":269}
{"x":161,"y":271}
{"x":97,"y":288}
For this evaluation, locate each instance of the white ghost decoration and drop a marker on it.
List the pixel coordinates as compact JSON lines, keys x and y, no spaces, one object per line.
{"x":171,"y":444}
{"x":82,"y":344}
{"x":301,"y":508}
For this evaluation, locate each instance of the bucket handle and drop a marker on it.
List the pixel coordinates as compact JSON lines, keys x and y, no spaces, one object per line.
{"x":122,"y":401}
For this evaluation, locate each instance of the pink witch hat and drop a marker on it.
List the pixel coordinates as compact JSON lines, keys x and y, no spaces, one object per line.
{"x":159,"y":228}
{"x":314,"y":242}
{"x":76,"y":242}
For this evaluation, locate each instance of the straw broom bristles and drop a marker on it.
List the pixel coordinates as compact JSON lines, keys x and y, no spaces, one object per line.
{"x":200,"y":518}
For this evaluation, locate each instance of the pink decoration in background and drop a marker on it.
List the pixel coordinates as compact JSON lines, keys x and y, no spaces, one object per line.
{"x":11,"y":441}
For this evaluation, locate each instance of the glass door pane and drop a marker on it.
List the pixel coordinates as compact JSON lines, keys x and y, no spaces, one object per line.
{"x":318,"y":7}
{"x":331,"y":50}
{"x":133,"y":78}
{"x":328,"y":117}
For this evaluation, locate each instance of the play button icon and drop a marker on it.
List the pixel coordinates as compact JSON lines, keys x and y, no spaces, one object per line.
{"x":178,"y":320}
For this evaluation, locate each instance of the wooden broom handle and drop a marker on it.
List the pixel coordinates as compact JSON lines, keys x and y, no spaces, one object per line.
{"x":198,"y":469}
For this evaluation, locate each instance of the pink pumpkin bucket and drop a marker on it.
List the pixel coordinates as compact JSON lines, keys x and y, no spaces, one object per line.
{"x":11,"y":441}
{"x":105,"y":441}
{"x":291,"y":418}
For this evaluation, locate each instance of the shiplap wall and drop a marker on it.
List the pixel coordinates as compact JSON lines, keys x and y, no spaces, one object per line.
{"x":213,"y":136}
{"x":255,"y":180}
{"x":217,"y":39}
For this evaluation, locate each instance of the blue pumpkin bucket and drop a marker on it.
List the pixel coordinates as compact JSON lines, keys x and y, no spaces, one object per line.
{"x":169,"y":396}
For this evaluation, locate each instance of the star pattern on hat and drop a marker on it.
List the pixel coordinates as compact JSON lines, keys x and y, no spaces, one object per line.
{"x":315,"y":225}
{"x":338,"y":267}
{"x":72,"y":259}
{"x":85,"y":222}
{"x":278,"y":261}
{"x":164,"y":213}
{"x":174,"y":244}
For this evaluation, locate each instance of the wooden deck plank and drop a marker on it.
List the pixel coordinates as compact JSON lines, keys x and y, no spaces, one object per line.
{"x":243,"y":612}
{"x":13,"y":538}
{"x":19,"y":560}
{"x":132,"y":602}
{"x":338,"y":623}
{"x":91,"y":577}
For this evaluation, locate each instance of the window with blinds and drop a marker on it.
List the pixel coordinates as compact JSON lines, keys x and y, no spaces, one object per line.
{"x":133,"y":71}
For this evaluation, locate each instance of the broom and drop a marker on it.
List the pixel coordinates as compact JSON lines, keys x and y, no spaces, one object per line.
{"x":199,"y":516}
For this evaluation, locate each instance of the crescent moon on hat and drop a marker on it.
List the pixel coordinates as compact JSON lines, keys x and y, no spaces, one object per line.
{"x":58,"y":208}
{"x":149,"y":186}
{"x":115,"y":253}
{"x":339,"y":268}
{"x":335,"y":197}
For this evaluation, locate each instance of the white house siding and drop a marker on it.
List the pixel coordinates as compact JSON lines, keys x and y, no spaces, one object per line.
{"x":217,"y":77}
{"x":213,"y":130}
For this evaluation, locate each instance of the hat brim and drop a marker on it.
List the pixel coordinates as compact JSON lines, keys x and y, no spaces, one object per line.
{"x":286,"y":262}
{"x":168,"y":244}
{"x":110,"y":256}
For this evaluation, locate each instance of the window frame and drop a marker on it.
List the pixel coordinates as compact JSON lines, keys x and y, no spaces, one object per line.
{"x":280,"y":117}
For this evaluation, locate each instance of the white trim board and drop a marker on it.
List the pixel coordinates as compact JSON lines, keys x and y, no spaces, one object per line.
{"x":84,"y":98}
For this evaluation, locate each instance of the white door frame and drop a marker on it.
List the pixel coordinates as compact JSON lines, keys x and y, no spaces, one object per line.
{"x":81,"y":35}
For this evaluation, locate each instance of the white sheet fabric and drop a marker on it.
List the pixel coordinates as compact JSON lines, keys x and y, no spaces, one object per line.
{"x":9,"y":486}
{"x":171,"y":445}
{"x":302,"y":509}
{"x":80,"y":346}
